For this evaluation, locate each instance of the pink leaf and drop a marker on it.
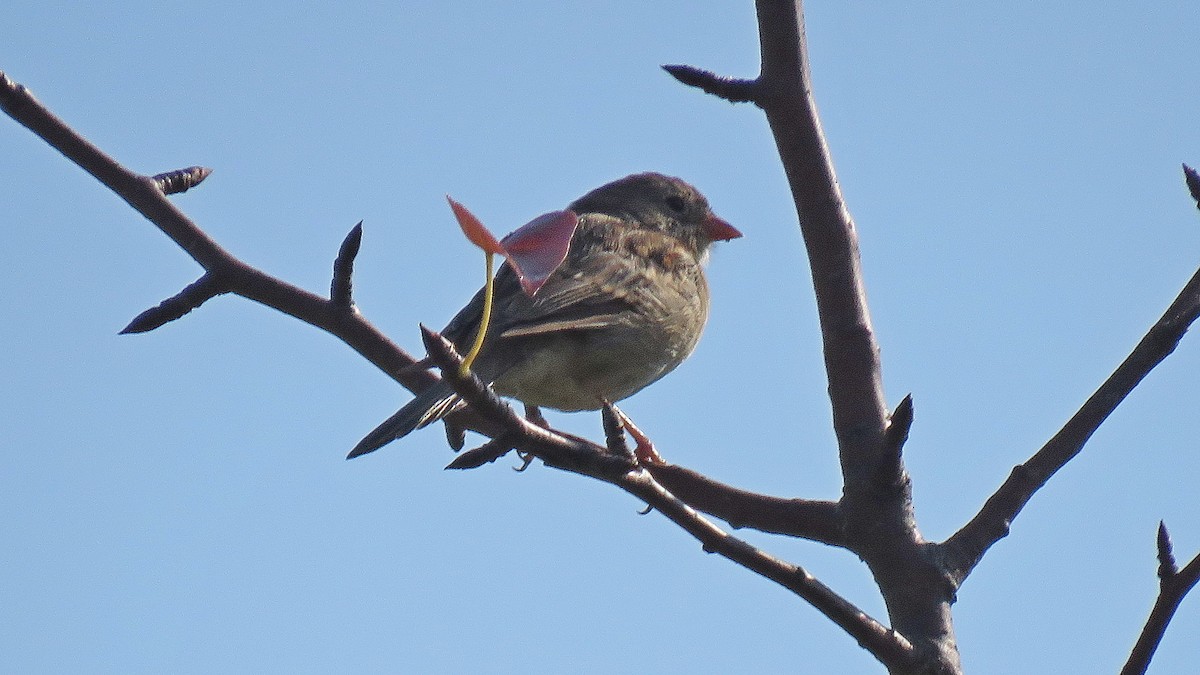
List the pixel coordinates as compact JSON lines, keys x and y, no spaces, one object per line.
{"x":475,"y":231}
{"x":537,"y":248}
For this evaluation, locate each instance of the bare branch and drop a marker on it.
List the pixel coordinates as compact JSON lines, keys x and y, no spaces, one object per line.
{"x":851,"y":353}
{"x":581,"y":456}
{"x":875,"y":511}
{"x":784,"y":91}
{"x":555,"y":449}
{"x":886,"y":645}
{"x":144,"y":195}
{"x":1173,"y":586}
{"x":806,"y":518}
{"x":966,"y":547}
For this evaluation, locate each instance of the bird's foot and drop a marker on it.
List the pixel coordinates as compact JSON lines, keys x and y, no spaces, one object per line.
{"x":644,"y":452}
{"x":526,"y":459}
{"x":534,"y":415}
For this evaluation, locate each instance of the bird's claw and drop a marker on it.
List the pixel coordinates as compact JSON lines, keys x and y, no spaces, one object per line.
{"x":526,"y":459}
{"x":644,"y":452}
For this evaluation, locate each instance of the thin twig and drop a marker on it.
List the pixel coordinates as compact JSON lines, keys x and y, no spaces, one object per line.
{"x":812,"y":519}
{"x":144,"y":195}
{"x":965,"y":548}
{"x":581,"y":456}
{"x":1173,"y":586}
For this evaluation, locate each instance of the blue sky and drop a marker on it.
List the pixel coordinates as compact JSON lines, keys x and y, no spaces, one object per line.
{"x":178,"y":501}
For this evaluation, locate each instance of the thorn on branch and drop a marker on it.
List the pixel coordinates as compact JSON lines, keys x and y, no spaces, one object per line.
{"x":891,"y":468}
{"x":341,"y":289}
{"x":1193,"y":183}
{"x":182,"y":180}
{"x":1167,"y":568}
{"x":899,"y":424}
{"x":734,"y":90}
{"x":484,"y":454}
{"x":177,"y":305}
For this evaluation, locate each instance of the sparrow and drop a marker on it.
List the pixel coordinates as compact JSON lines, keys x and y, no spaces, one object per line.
{"x":626,"y":306}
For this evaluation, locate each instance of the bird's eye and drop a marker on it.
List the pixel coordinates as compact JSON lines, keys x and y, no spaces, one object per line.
{"x":676,"y":203}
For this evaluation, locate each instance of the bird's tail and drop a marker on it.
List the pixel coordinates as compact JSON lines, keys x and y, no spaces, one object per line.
{"x":428,"y":407}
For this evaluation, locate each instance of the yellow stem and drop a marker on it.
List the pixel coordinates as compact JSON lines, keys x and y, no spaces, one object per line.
{"x":483,"y":321}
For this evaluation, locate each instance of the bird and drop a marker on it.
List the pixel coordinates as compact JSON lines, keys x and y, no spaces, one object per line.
{"x":626,"y":306}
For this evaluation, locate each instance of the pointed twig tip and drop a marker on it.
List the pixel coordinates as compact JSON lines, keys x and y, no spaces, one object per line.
{"x":174,"y":307}
{"x":899,"y":424}
{"x":428,"y":333}
{"x":731,"y":89}
{"x":1167,"y":567}
{"x":1193,"y":183}
{"x":477,"y":457}
{"x":341,"y":289}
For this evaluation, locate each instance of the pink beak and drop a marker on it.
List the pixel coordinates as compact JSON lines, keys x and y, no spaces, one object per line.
{"x":717,"y":229}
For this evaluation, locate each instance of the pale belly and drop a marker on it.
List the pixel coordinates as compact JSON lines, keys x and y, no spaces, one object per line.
{"x":582,"y":373}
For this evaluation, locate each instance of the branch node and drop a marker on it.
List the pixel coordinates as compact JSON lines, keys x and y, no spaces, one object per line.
{"x":341,"y":288}
{"x":180,"y":180}
{"x":734,"y":90}
{"x":174,"y":307}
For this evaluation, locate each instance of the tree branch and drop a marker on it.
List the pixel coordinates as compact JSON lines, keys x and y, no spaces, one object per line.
{"x":225,"y":273}
{"x":807,"y":518}
{"x":876,"y":511}
{"x":1173,"y":585}
{"x":783,"y":90}
{"x":619,"y":468}
{"x":851,"y":354}
{"x":966,"y":547}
